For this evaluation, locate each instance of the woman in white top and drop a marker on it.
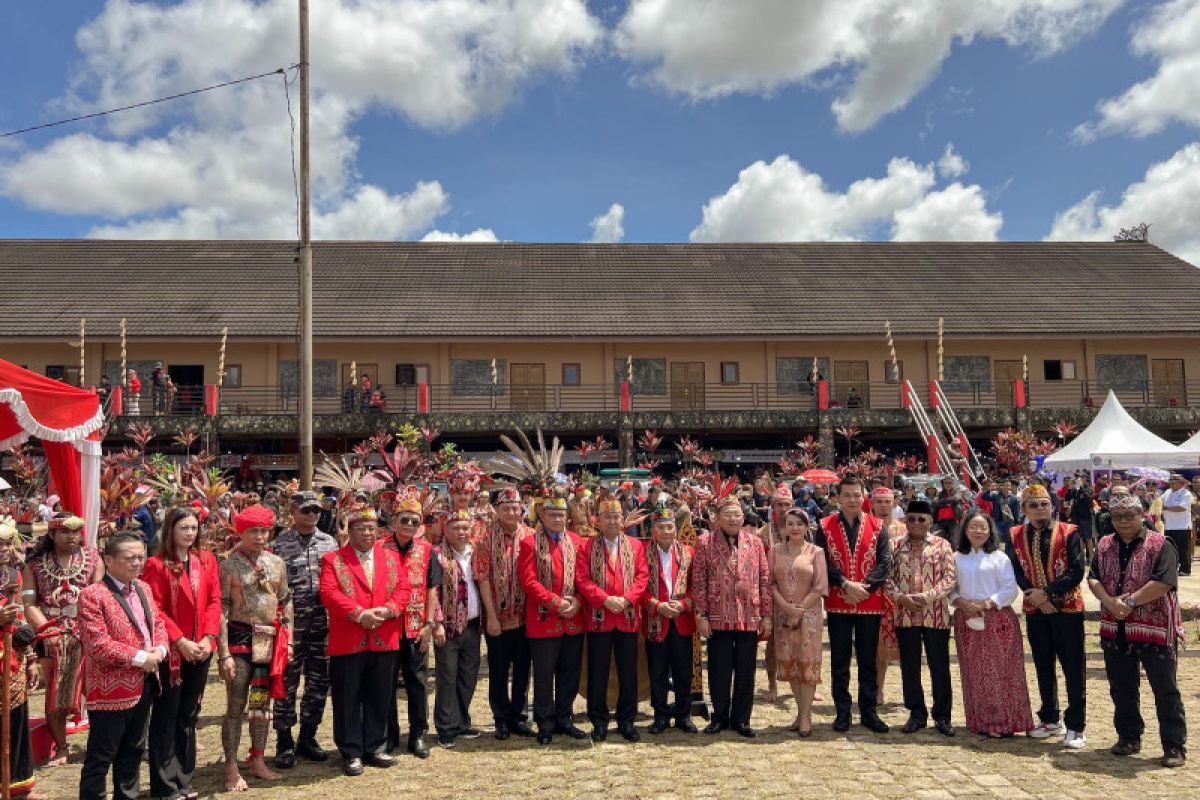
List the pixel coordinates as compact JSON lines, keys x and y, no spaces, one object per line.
{"x":987,"y":634}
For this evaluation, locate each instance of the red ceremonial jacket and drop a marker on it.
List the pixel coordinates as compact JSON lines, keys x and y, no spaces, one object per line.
{"x":659,"y":593}
{"x":733,"y":598}
{"x":599,"y":619}
{"x":110,"y":640}
{"x":854,"y":566}
{"x":415,"y":564}
{"x":187,"y":613}
{"x":541,"y":603}
{"x":346,"y":593}
{"x":1072,"y":602}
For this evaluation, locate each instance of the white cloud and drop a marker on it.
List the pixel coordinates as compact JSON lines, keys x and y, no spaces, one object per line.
{"x":952,"y":164}
{"x":955,"y":214}
{"x":889,"y":49}
{"x":219,"y":164}
{"x":610,"y":226}
{"x":1170,"y":35}
{"x":1168,"y":198}
{"x":782,"y":201}
{"x":477,"y":235}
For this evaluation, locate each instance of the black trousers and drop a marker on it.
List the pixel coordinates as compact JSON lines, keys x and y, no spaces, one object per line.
{"x":1124,"y":684}
{"x":858,"y":633}
{"x":310,"y":659}
{"x":732,"y":659}
{"x":117,"y":739}
{"x":557,"y":662}
{"x":173,"y":728}
{"x":413,"y":665}
{"x":508,"y":654}
{"x":1059,"y":637}
{"x":669,"y":663}
{"x":936,"y":643}
{"x":1182,"y":539}
{"x":360,"y":685}
{"x":623,"y":647}
{"x":20,"y":754}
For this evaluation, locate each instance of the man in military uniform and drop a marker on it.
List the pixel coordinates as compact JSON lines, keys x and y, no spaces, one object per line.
{"x":302,"y":547}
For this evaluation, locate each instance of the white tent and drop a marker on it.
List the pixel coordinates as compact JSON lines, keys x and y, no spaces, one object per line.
{"x":1192,"y":445}
{"x":1116,"y":440}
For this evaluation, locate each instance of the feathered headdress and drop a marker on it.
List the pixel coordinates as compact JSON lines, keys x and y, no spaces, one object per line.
{"x":533,"y":471}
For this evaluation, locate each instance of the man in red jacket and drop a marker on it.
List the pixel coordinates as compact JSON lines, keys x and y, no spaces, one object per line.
{"x":553,"y":618}
{"x":124,"y":641}
{"x":669,"y":622}
{"x":732,"y":588}
{"x":365,"y":590}
{"x":611,"y":573}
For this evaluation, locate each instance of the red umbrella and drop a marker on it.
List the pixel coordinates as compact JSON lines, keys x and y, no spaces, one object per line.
{"x":819,"y":476}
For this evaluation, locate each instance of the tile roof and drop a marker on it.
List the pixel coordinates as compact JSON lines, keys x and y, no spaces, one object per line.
{"x":383,"y":290}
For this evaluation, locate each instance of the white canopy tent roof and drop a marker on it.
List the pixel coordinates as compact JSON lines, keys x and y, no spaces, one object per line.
{"x":1192,"y":445}
{"x":1115,"y":440}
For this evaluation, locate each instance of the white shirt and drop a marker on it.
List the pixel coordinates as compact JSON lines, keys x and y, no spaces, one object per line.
{"x":140,"y":656}
{"x":367,"y":560}
{"x":464,"y":567}
{"x":668,"y":572}
{"x":985,"y":576}
{"x":1178,"y":520}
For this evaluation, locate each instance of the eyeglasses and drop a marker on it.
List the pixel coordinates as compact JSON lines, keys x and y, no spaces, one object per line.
{"x":1039,"y":504}
{"x":1126,"y":515}
{"x":918,"y":518}
{"x":408,"y":520}
{"x":311,"y":510}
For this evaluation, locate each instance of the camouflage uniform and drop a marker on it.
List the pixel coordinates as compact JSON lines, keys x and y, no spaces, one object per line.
{"x":302,"y":557}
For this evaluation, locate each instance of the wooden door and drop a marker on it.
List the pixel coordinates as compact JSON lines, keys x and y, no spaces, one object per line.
{"x":1004,"y":375}
{"x":1166,"y":378}
{"x":527,"y":383}
{"x":687,"y":386}
{"x":851,"y":387}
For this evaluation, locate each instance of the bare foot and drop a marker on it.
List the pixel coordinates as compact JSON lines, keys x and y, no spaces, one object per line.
{"x":234,"y":782}
{"x":772,"y":694}
{"x":200,"y":748}
{"x":818,"y":697}
{"x":58,"y":757}
{"x":260,"y":770}
{"x":795,"y":726}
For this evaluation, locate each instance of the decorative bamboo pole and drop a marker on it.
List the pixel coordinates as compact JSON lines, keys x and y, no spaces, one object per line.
{"x":82,"y":351}
{"x":1025,"y":368}
{"x":354,"y":374}
{"x":887,"y":326}
{"x":124,"y":363}
{"x":221,"y":358}
{"x":941,"y":350}
{"x":629,"y":369}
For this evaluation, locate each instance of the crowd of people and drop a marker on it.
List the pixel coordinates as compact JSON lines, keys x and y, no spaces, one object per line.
{"x":348,"y":598}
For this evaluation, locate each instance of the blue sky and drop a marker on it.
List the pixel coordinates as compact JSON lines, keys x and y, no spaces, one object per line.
{"x":556,"y":121}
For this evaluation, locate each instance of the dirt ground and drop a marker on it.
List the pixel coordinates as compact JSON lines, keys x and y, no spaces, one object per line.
{"x":776,"y":764}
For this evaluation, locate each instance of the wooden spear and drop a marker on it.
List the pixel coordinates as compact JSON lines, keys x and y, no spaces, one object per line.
{"x":221,"y":358}
{"x":82,"y":350}
{"x":124,"y":362}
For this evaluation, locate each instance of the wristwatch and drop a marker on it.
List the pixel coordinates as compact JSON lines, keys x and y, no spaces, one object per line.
{"x":1129,"y":601}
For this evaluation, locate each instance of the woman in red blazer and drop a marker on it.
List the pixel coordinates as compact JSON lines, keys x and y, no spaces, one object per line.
{"x":186,"y":585}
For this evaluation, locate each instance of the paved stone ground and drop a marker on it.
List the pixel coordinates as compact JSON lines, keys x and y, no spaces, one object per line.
{"x":776,"y":764}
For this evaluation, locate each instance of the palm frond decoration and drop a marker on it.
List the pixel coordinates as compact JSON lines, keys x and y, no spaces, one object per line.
{"x":528,"y":468}
{"x":339,"y":474}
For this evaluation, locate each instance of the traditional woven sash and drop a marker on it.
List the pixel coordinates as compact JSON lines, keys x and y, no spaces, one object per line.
{"x":600,"y":575}
{"x":683,"y":564}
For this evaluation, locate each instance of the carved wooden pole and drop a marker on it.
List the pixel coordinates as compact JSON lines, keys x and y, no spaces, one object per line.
{"x":941,"y":350}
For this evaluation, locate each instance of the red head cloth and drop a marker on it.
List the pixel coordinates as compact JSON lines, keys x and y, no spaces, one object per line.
{"x":507,"y":495}
{"x":201,"y":511}
{"x":782,"y":492}
{"x":463,"y":479}
{"x":459,"y":515}
{"x":254,"y":517}
{"x":408,"y":500}
{"x":360,"y":512}
{"x":610,"y":504}
{"x":882,"y":491}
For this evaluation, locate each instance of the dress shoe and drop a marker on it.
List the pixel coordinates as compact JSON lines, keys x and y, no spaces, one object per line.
{"x":599,"y":734}
{"x":352,"y":767}
{"x":417,"y":747}
{"x":629,"y":733}
{"x":572,"y":731}
{"x":380,"y":759}
{"x":1126,"y":747}
{"x":308,"y":748}
{"x":913,"y":725}
{"x":1174,"y":757}
{"x":944,"y":727}
{"x":545,"y":737}
{"x":841,"y":723}
{"x":715,"y":727}
{"x":285,"y":750}
{"x":875,"y":724}
{"x":521,"y":729}
{"x":744,"y":730}
{"x":658,"y":727}
{"x":686,"y":725}
{"x":502,"y":731}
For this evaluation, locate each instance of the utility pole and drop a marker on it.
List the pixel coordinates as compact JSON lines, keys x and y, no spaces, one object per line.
{"x":305,"y":365}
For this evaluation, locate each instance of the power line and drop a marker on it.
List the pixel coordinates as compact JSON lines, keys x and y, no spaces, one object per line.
{"x":247,"y":79}
{"x":292,"y":141}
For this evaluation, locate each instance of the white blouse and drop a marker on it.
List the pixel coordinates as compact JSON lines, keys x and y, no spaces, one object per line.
{"x":985,"y":576}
